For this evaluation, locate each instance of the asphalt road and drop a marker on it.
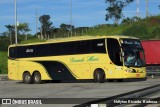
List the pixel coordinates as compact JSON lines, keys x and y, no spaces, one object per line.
{"x":16,"y":89}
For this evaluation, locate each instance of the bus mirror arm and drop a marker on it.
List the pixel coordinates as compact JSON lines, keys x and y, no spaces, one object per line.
{"x":121,"y":56}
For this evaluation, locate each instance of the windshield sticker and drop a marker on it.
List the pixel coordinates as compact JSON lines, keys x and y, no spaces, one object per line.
{"x":131,"y":43}
{"x":128,"y":42}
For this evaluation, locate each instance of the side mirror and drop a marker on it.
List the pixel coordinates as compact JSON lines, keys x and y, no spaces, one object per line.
{"x":122,"y":54}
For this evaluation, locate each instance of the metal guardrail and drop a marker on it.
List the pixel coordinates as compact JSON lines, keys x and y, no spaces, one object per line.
{"x":109,"y":101}
{"x":3,"y":77}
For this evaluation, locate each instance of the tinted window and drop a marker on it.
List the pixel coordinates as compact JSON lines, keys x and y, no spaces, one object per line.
{"x":114,"y":51}
{"x":26,"y":51}
{"x":68,"y":48}
{"x":90,"y":46}
{"x":41,"y":50}
{"x":55,"y":49}
{"x":12,"y":52}
{"x":131,"y":43}
{"x":98,"y":46}
{"x":82,"y":47}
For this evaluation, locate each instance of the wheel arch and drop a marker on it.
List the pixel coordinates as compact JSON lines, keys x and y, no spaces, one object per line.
{"x":99,"y":69}
{"x":36,"y":71}
{"x":25,"y":72}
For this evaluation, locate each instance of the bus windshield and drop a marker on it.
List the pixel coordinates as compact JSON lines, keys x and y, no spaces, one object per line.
{"x":133,"y":58}
{"x":133,"y":53}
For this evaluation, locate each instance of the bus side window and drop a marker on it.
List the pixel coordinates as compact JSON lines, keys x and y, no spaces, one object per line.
{"x":83,"y":47}
{"x":68,"y":48}
{"x":98,"y":46}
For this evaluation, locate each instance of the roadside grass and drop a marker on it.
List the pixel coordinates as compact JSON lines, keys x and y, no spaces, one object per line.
{"x":107,"y":30}
{"x":3,"y":63}
{"x":32,"y":40}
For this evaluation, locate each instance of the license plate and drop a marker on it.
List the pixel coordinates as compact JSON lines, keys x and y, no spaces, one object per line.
{"x":137,"y":75}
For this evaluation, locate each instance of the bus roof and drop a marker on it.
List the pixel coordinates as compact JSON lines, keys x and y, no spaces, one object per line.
{"x":59,"y":40}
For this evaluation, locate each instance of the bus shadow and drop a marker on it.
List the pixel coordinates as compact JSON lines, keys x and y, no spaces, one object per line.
{"x":87,"y":81}
{"x":91,"y":81}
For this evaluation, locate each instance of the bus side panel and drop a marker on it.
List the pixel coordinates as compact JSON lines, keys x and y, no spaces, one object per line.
{"x":102,"y":61}
{"x":12,"y":69}
{"x":58,"y":70}
{"x":83,"y":71}
{"x":31,"y":67}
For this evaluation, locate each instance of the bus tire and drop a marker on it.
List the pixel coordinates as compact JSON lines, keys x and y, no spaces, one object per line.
{"x":37,"y":78}
{"x":144,"y":79}
{"x":99,"y":76}
{"x":27,"y":78}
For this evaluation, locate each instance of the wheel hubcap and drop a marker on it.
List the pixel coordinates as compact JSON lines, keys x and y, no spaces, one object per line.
{"x":36,"y":78}
{"x":27,"y":78}
{"x":98,"y":76}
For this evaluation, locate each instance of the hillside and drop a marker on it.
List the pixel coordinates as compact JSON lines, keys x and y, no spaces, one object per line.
{"x":148,"y":28}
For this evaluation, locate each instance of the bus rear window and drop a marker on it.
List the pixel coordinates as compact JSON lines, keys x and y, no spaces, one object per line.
{"x":12,"y":52}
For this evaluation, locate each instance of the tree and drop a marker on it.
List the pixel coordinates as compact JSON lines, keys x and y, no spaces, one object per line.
{"x":114,"y":10}
{"x":130,"y":20}
{"x":135,"y":18}
{"x":46,"y":25}
{"x":66,"y":27}
{"x":156,"y":33}
{"x":4,"y":42}
{"x":127,"y":21}
{"x":11,"y":32}
{"x":23,"y":28}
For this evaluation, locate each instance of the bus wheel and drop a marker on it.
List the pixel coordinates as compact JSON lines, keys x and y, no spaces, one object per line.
{"x":37,"y":78}
{"x":145,"y":78}
{"x":99,"y":76}
{"x":27,"y":78}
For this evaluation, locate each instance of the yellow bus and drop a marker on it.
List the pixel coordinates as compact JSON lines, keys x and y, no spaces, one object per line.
{"x":97,"y":58}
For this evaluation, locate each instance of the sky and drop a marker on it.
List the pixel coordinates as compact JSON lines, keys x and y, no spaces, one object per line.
{"x":84,"y":12}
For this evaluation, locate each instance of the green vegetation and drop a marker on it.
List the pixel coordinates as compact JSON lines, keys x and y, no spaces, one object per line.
{"x":115,"y":8}
{"x":139,"y":31}
{"x":3,"y":62}
{"x":143,"y":28}
{"x":102,"y":30}
{"x":33,"y":40}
